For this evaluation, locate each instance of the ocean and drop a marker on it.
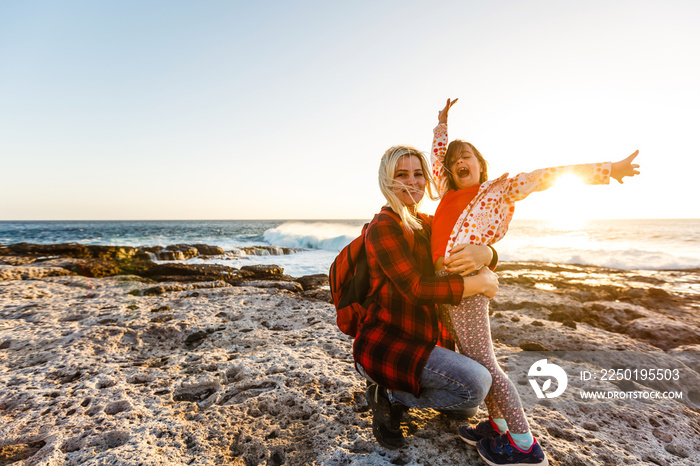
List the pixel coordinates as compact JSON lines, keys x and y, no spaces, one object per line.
{"x":621,"y":244}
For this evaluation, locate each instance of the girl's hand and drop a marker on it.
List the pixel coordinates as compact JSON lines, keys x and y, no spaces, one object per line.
{"x":625,"y":168}
{"x":466,"y":258}
{"x":442,"y":115}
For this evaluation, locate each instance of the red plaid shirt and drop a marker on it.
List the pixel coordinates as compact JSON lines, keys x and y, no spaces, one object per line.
{"x":401,"y":326}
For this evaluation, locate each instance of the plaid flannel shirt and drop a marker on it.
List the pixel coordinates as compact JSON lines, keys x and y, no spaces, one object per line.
{"x":401,"y":326}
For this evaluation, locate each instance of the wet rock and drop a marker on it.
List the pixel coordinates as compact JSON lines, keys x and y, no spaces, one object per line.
{"x":267,"y":251}
{"x":189,"y":272}
{"x":102,"y":261}
{"x":310,"y":282}
{"x":262,"y":271}
{"x":75,"y":250}
{"x":177,"y":252}
{"x":206,"y":250}
{"x":96,"y":268}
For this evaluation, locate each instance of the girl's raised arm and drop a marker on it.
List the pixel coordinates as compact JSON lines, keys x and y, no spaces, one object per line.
{"x":437,"y":153}
{"x":442,"y":114}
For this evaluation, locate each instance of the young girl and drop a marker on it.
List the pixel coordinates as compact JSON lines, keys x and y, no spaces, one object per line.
{"x":476,"y":211}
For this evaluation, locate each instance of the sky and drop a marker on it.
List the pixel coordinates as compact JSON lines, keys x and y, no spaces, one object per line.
{"x":136,"y":110}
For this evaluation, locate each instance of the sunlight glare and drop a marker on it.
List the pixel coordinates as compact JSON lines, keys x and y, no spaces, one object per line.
{"x":562,"y":199}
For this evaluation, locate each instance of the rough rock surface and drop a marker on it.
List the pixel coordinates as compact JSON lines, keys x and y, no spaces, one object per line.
{"x":42,"y":260}
{"x":98,"y":371}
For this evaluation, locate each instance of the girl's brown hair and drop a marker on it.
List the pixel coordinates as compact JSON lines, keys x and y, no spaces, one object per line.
{"x":454,"y":150}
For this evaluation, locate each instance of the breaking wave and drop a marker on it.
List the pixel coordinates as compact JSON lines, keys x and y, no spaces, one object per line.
{"x":312,"y":235}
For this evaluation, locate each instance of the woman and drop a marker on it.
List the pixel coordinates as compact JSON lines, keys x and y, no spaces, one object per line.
{"x":395,"y":348}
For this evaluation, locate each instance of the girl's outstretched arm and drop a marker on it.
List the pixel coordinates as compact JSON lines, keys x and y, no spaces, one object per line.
{"x":624,"y":168}
{"x":593,"y":173}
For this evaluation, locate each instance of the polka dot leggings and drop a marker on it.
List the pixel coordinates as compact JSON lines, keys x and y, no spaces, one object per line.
{"x":469,"y":325}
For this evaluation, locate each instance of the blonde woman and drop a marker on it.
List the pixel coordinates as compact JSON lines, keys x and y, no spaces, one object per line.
{"x":396,"y":348}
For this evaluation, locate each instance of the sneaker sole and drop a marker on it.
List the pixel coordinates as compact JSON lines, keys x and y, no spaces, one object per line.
{"x":380,"y":439}
{"x":469,"y":441}
{"x":544,"y":462}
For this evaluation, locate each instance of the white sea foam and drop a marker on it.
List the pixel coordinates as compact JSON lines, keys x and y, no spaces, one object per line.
{"x":619,"y":244}
{"x":629,"y":259}
{"x":628,"y":245}
{"x":312,"y":235}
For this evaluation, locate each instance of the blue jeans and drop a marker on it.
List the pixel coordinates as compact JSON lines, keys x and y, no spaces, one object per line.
{"x":449,"y":381}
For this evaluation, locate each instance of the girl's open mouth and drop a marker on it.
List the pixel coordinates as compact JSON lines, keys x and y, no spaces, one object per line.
{"x":463,"y":172}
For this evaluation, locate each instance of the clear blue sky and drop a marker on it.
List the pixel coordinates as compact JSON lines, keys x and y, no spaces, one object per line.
{"x":238,"y":110}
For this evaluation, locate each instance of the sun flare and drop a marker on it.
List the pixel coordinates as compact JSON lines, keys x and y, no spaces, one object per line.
{"x":563,"y":202}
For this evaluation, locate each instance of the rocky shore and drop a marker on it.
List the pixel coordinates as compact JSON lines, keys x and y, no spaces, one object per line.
{"x":110,"y":358}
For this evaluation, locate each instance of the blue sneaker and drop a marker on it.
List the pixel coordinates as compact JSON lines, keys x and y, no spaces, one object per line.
{"x":484,"y":429}
{"x":502,"y":450}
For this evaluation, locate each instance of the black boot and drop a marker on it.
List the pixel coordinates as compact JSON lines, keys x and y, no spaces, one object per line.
{"x":386,"y":418}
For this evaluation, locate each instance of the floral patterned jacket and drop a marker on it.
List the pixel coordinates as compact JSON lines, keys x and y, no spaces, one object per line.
{"x":486,"y":218}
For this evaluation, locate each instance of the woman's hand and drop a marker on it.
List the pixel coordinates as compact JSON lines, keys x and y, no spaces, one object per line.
{"x":442,"y":115}
{"x":625,"y":168}
{"x":466,"y":258}
{"x":485,"y":282}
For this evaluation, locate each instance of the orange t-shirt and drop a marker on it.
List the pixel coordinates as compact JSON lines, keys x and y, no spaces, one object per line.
{"x":447,"y":213}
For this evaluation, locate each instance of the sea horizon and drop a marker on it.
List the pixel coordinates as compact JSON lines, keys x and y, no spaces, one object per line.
{"x":646,"y":244}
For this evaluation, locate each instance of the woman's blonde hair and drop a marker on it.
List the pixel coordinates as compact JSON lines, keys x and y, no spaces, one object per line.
{"x":387,"y":171}
{"x":453,"y":152}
